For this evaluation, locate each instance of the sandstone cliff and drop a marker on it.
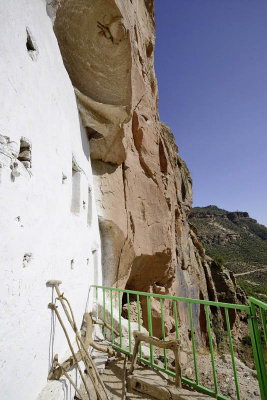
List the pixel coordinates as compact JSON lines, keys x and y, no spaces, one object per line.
{"x":144,"y":189}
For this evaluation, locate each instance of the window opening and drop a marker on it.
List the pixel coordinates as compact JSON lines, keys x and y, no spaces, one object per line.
{"x":25,"y":153}
{"x":31,"y":45}
{"x":76,"y":188}
{"x":89,"y":210}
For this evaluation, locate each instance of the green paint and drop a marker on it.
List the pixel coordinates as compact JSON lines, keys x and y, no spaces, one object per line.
{"x":176,"y":319}
{"x":211,"y":349}
{"x":163,"y":332}
{"x":104,"y":309}
{"x":119,"y":294}
{"x":111,"y":315}
{"x":232,"y":352}
{"x":193,"y":342}
{"x":150,"y":330}
{"x":129,"y":323}
{"x":255,"y":305}
{"x":139,"y":322}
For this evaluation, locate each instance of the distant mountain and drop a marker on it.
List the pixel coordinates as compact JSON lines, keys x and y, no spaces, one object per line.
{"x":240,"y":240}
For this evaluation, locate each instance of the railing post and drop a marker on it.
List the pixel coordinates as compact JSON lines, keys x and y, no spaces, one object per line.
{"x":163,"y":331}
{"x":139,"y":322}
{"x":96,"y":295}
{"x":257,"y":350}
{"x":176,"y":319}
{"x":111,"y":316}
{"x":150,"y":330}
{"x":211,"y":349}
{"x":232,"y":352}
{"x":263,"y":321}
{"x":129,"y":323}
{"x":256,"y":316}
{"x":119,"y":294}
{"x":104,"y":311}
{"x":193,"y":342}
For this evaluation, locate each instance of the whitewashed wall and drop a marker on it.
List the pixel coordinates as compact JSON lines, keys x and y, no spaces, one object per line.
{"x":38,"y":103}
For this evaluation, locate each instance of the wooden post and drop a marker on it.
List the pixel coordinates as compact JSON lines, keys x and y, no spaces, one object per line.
{"x":173,"y":345}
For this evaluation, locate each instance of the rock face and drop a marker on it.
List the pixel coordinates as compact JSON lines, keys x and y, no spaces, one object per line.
{"x":63,"y":177}
{"x":143,"y":187}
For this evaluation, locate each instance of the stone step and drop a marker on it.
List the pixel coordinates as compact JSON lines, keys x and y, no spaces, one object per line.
{"x":100,"y":358}
{"x":158,"y":388}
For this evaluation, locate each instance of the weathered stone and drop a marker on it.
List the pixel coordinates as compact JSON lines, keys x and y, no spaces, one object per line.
{"x":8,"y":147}
{"x":143,"y":187}
{"x":3,"y":139}
{"x":14,"y":148}
{"x":184,"y":358}
{"x":188,"y":372}
{"x":25,"y":155}
{"x":227,"y":291}
{"x":26,"y":164}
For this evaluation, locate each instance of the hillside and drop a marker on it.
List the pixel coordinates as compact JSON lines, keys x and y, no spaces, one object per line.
{"x":240,"y":240}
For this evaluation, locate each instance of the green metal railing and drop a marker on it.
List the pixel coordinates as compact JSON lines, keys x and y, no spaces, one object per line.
{"x":256,"y":320}
{"x":257,"y":314}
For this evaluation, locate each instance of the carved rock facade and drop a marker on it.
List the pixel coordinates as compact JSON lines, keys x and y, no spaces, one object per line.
{"x":143,"y":187}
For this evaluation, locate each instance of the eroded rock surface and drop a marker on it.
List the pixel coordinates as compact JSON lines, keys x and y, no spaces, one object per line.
{"x":144,"y":189}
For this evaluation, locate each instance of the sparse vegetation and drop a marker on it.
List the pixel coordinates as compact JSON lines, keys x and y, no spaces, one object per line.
{"x":239,"y":240}
{"x":254,"y":288}
{"x":218,"y":262}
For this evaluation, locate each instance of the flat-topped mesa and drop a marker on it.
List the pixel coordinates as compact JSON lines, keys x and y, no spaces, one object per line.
{"x":237,"y":214}
{"x":143,"y":187}
{"x":215,"y":212}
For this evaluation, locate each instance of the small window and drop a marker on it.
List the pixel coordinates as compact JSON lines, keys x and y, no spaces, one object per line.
{"x":31,"y":45}
{"x":72,"y":264}
{"x":95,"y":263}
{"x":89,"y":210}
{"x":27,"y":259}
{"x":64,"y":178}
{"x":76,"y":189}
{"x":25,"y":153}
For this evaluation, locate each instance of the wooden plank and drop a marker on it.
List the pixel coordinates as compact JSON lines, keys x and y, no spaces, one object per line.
{"x":160,"y":389}
{"x":173,"y":345}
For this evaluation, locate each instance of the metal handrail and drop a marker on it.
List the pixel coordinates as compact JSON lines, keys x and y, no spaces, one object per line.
{"x":250,"y":309}
{"x":257,"y":302}
{"x":183,"y":299}
{"x":257,"y":309}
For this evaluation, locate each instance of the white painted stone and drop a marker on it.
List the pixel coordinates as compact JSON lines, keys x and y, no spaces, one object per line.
{"x":38,"y":104}
{"x":54,"y":390}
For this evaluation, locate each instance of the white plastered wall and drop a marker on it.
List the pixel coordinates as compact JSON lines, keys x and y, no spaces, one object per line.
{"x":38,"y":103}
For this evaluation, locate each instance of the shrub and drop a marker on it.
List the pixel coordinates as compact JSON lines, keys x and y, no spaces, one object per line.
{"x":218,"y":262}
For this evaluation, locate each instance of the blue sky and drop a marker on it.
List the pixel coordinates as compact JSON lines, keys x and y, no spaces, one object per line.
{"x":211,"y":66}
